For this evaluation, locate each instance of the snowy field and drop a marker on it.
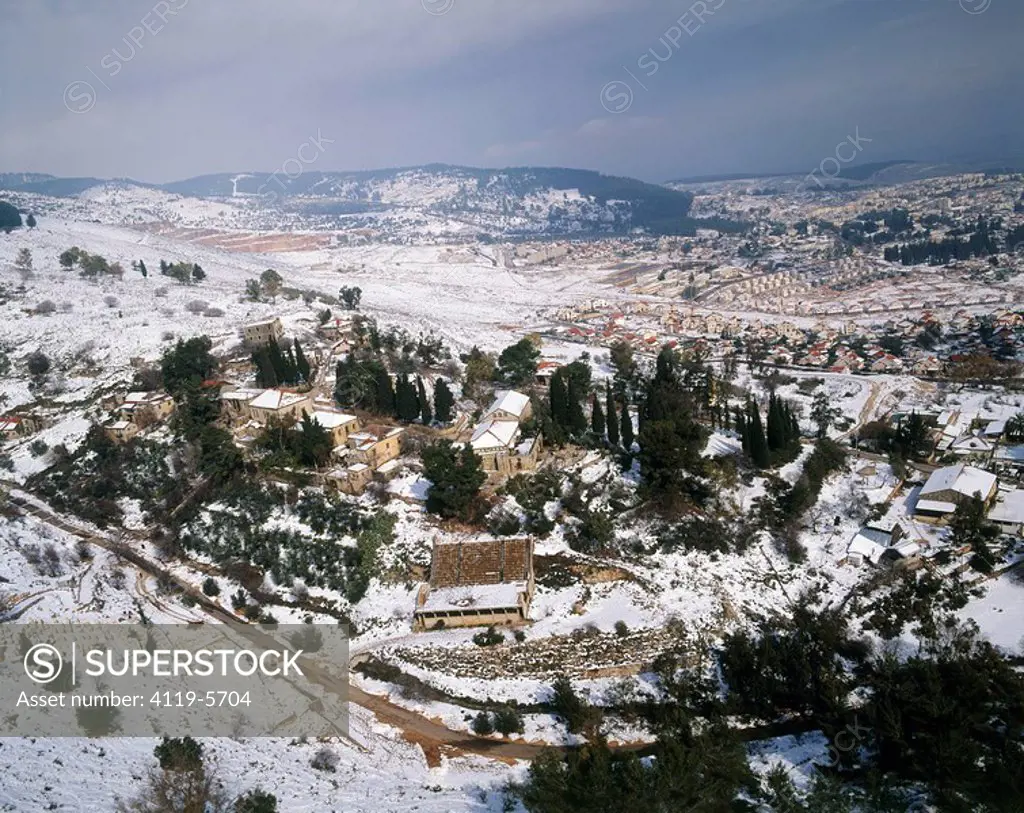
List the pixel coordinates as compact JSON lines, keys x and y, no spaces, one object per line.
{"x":466,"y":297}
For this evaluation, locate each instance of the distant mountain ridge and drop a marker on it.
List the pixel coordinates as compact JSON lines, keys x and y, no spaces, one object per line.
{"x":882,"y":173}
{"x":518,"y":200}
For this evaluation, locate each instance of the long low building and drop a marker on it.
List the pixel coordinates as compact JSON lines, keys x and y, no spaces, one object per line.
{"x":477,"y":583}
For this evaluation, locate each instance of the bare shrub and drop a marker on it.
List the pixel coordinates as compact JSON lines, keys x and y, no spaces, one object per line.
{"x":111,"y":301}
{"x":46,"y":307}
{"x":50,"y":563}
{"x":66,"y":307}
{"x":197,"y":306}
{"x":168,"y":336}
{"x":325,"y":760}
{"x":213,"y":312}
{"x":32,"y":555}
{"x":197,"y":791}
{"x":161,"y":291}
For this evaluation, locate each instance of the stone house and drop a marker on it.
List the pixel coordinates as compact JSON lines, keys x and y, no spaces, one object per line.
{"x":121,"y":431}
{"x":263,"y":333}
{"x":498,"y":444}
{"x":146,"y":408}
{"x":338,"y":425}
{"x":375,"y":445}
{"x":234,"y":404}
{"x":948,"y":487}
{"x":279,"y":405}
{"x":19,"y":426}
{"x":476,"y":583}
{"x":509,"y":405}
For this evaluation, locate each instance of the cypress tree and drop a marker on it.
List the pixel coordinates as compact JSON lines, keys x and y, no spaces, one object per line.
{"x":626,"y":428}
{"x":611,"y":419}
{"x":265,"y":375}
{"x":278,"y":362}
{"x":777,"y":425}
{"x":741,"y":430}
{"x":794,"y":432}
{"x":407,"y":403}
{"x":559,"y":402}
{"x":301,"y":363}
{"x":597,"y":424}
{"x":385,"y":392}
{"x":293,"y":366}
{"x":426,"y":414}
{"x":443,"y":401}
{"x":759,"y":451}
{"x":576,"y":415}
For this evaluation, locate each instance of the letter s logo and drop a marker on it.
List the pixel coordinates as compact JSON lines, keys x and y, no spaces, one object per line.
{"x":43,"y":663}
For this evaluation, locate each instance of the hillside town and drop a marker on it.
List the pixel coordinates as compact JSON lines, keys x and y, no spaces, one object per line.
{"x":540,"y":514}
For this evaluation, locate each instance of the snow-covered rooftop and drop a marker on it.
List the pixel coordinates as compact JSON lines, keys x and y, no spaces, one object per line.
{"x":963,"y":479}
{"x":277,"y":399}
{"x":510,"y":401}
{"x":332,"y":420}
{"x":494,"y":434}
{"x":483,"y":596}
{"x":1010,"y":509}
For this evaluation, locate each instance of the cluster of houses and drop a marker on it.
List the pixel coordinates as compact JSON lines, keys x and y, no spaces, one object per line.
{"x":900,"y":535}
{"x":647,"y":326}
{"x":135,"y":412}
{"x":13,"y":427}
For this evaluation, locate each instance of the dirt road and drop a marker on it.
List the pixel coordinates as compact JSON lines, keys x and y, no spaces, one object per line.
{"x":435,"y":738}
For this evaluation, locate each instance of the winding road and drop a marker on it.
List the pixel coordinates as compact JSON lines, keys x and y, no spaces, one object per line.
{"x":432,"y":736}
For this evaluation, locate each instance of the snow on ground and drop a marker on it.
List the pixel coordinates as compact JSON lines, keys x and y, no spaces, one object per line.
{"x":468,"y":298}
{"x":377,"y":773}
{"x":1000,"y":613}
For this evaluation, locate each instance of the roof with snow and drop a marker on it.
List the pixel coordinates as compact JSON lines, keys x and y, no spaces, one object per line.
{"x":963,"y":479}
{"x":277,"y":399}
{"x":332,"y":420}
{"x":482,"y":596}
{"x":510,"y":401}
{"x":494,"y":435}
{"x":1010,"y":509}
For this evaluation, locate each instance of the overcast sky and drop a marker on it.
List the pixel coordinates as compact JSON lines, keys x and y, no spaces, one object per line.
{"x":650,"y":88}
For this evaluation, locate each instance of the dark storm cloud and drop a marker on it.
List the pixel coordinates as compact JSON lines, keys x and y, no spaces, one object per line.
{"x":164,"y":90}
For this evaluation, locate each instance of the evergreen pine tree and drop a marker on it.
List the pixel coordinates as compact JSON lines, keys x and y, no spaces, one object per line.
{"x":444,"y":402}
{"x":385,"y":392}
{"x":301,"y":363}
{"x":612,"y":418}
{"x":597,"y":423}
{"x":426,"y":414}
{"x":142,"y":269}
{"x":626,"y":428}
